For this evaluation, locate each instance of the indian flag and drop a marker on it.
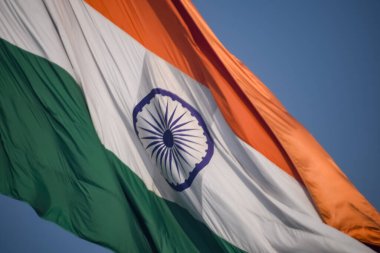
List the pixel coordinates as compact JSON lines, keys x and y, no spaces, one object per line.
{"x":129,"y":124}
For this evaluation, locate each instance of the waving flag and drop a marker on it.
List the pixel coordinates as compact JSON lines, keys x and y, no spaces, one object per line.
{"x":129,"y":124}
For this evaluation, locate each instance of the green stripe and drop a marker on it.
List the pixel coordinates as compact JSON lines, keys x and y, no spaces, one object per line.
{"x":52,"y":158}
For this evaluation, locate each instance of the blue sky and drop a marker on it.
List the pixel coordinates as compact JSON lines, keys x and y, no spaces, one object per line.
{"x":322,"y":60}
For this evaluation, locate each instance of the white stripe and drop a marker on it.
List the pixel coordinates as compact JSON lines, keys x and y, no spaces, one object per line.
{"x":240,"y":195}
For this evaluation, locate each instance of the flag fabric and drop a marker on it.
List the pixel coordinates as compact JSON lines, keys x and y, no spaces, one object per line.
{"x":129,"y":124}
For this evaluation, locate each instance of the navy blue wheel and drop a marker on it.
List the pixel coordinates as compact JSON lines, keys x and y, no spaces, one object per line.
{"x":174,"y":135}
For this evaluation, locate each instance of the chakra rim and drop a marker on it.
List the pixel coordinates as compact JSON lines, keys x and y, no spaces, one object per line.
{"x":174,"y":135}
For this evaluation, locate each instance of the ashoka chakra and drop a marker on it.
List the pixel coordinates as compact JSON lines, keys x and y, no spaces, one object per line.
{"x":174,"y":135}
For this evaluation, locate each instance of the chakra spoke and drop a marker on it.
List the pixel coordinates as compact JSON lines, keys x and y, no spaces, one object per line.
{"x":159,"y":151}
{"x":154,"y":127}
{"x":166,"y":113}
{"x":176,"y":161}
{"x":162,"y":155}
{"x":170,"y":164}
{"x":178,"y":119}
{"x":170,"y":161}
{"x":150,"y":131}
{"x":156,"y":121}
{"x":180,"y":156}
{"x":187,"y":135}
{"x":179,"y":164}
{"x":156,"y":148}
{"x":180,"y":143}
{"x":163,"y":162}
{"x":184,"y":130}
{"x":159,"y":113}
{"x":184,"y":150}
{"x":154,"y":143}
{"x":182,"y":124}
{"x":184,"y":139}
{"x":151,"y":138}
{"x":171,"y":116}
